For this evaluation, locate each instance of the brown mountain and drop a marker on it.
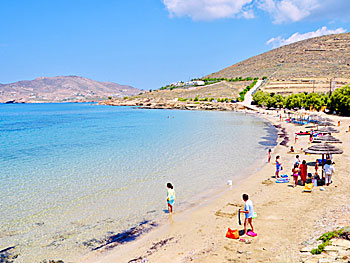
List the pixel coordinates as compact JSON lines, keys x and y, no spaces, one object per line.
{"x":312,"y":64}
{"x":62,"y":88}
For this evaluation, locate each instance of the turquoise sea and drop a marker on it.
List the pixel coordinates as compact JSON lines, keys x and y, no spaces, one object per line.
{"x":72,"y":175}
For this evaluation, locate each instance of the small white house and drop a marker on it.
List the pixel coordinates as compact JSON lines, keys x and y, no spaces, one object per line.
{"x":198,"y":82}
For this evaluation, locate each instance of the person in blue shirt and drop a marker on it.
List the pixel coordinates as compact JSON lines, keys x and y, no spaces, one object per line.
{"x":249,"y":213}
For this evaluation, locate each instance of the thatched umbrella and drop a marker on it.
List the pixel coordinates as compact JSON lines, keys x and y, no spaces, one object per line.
{"x":325,"y":123}
{"x":323,"y":148}
{"x":317,"y":118}
{"x":328,"y":119}
{"x":327,"y":138}
{"x":328,"y":130}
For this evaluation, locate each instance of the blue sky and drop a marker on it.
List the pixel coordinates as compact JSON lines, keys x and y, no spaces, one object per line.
{"x":150,"y":43}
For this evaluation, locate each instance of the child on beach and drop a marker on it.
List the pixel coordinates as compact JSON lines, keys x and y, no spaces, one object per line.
{"x":249,"y":212}
{"x":311,"y":135}
{"x":295,"y":172}
{"x":316,"y":167}
{"x":278,"y":167}
{"x":269,"y":156}
{"x":297,"y":160}
{"x":170,"y":197}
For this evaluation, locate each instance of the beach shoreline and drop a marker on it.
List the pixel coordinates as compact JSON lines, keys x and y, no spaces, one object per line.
{"x":199,"y":235}
{"x":145,"y":230}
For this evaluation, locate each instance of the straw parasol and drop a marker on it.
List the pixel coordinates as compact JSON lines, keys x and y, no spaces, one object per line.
{"x":328,"y":119}
{"x":323,"y":148}
{"x":327,"y":139}
{"x":327,"y":130}
{"x":325,"y":123}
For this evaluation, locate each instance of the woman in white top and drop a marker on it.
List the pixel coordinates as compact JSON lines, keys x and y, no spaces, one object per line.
{"x":328,"y":171}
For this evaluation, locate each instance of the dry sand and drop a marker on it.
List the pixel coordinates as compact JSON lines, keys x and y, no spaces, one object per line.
{"x":286,"y":216}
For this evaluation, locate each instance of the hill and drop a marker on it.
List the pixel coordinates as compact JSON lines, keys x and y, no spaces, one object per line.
{"x":311,"y":64}
{"x":62,"y":88}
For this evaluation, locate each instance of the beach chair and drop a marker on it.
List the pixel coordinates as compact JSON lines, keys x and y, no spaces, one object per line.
{"x":308,"y":188}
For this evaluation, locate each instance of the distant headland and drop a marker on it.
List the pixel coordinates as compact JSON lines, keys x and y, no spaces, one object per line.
{"x":62,"y":89}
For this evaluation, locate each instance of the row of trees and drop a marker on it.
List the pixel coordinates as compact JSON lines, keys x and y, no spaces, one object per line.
{"x":243,"y":92}
{"x":214,"y":80}
{"x":339,"y":101}
{"x":197,"y":98}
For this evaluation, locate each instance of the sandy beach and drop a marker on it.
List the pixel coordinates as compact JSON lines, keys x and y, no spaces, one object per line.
{"x":288,"y":219}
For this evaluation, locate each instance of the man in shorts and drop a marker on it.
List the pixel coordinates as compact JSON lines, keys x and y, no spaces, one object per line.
{"x":249,"y":212}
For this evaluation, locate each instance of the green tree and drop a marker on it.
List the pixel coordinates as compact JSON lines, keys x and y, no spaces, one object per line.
{"x":340,"y":101}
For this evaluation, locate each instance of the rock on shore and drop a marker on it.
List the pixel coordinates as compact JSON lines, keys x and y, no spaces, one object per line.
{"x":172,"y":104}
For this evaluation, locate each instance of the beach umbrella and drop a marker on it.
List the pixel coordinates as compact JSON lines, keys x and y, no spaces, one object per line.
{"x":327,"y":130}
{"x":323,"y":148}
{"x":325,"y":123}
{"x":327,"y":139}
{"x":328,"y":119}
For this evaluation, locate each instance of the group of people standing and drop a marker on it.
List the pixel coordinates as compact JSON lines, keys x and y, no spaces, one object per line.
{"x":300,"y":169}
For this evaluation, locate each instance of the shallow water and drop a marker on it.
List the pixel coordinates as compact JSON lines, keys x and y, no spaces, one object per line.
{"x":74,"y":174}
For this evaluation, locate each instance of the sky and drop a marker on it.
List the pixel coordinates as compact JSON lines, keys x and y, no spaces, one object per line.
{"x":151,"y":43}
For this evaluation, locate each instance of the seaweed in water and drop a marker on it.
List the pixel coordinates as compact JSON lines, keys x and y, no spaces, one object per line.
{"x":123,"y":237}
{"x":152,"y":249}
{"x":8,"y":255}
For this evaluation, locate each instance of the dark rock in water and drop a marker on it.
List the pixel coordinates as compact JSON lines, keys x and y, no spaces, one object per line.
{"x":93,"y":243}
{"x":8,"y":255}
{"x":10,"y":102}
{"x":52,"y":261}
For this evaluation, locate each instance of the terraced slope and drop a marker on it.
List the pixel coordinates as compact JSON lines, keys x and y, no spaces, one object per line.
{"x":311,"y":64}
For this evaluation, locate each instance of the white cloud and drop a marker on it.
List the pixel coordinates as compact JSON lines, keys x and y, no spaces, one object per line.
{"x":281,"y":11}
{"x":279,"y":41}
{"x":288,"y":10}
{"x":209,"y":9}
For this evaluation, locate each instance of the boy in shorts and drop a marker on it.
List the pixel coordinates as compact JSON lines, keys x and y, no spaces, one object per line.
{"x":249,"y":212}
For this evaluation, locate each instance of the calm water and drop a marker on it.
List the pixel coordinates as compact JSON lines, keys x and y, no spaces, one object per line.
{"x":72,"y":173}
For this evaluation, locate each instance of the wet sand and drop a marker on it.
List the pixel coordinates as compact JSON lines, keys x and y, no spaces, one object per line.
{"x":286,"y":216}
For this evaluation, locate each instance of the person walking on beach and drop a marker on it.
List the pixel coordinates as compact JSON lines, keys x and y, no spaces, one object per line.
{"x":278,"y":167}
{"x":269,"y":156}
{"x":249,"y":212}
{"x":170,"y":197}
{"x":297,"y":160}
{"x":328,"y":171}
{"x":316,"y":167}
{"x":311,"y":135}
{"x":295,"y":172}
{"x":303,"y":172}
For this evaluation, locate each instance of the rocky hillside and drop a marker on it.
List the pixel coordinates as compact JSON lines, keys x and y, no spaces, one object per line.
{"x":312,"y":64}
{"x":62,"y":88}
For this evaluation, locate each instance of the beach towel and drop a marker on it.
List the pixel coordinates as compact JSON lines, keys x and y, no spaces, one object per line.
{"x":282,"y":180}
{"x":308,"y":187}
